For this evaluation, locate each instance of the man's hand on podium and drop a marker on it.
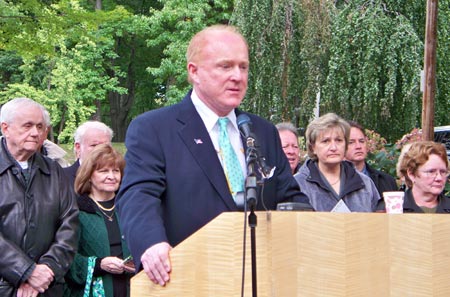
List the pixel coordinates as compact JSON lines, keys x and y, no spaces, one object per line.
{"x":156,"y":263}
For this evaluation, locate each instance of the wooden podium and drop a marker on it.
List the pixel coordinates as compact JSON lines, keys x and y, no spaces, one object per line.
{"x":313,"y":254}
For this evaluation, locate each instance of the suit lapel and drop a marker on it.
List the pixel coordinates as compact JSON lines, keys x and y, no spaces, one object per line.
{"x":197,"y":140}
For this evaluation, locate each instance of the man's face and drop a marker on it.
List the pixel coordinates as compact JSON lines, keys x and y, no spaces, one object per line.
{"x":289,"y":142}
{"x":220,"y":72}
{"x":90,"y":140}
{"x":24,"y":134}
{"x":357,"y":146}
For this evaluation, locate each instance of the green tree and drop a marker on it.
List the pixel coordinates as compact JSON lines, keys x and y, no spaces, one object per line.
{"x":288,"y":56}
{"x":171,"y":28}
{"x":442,"y":100}
{"x":75,"y":64}
{"x":9,"y":68}
{"x":132,"y":58}
{"x":361,"y":58}
{"x":85,"y":59}
{"x":415,"y":12}
{"x":375,"y":61}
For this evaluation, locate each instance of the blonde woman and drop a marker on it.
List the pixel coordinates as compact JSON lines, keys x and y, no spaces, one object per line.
{"x":331,"y":183}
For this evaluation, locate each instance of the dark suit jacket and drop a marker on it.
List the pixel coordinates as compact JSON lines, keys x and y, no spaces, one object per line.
{"x":174,"y":183}
{"x":383,"y":181}
{"x":71,"y":172}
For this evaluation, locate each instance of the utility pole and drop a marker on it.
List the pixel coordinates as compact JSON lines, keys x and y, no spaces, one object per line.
{"x":429,"y":91}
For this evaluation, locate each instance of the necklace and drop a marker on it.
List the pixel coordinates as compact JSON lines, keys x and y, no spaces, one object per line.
{"x":111,"y":217}
{"x":332,"y":184}
{"x":103,"y":209}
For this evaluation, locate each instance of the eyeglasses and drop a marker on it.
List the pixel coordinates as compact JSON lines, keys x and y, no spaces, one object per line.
{"x":434,"y":172}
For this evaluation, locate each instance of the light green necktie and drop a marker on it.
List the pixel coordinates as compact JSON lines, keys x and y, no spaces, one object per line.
{"x":232,"y":167}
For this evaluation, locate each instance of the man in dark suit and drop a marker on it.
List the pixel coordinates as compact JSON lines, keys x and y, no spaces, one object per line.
{"x":86,"y":137}
{"x":357,"y":153}
{"x":174,"y":181}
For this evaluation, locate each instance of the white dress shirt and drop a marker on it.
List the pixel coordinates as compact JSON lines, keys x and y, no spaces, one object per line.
{"x":210,"y":119}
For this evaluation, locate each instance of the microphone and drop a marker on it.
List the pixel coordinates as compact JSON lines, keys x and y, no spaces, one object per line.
{"x":245,"y":127}
{"x":244,"y":123}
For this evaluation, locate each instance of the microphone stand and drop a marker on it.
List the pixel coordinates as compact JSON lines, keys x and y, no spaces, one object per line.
{"x":251,"y":201}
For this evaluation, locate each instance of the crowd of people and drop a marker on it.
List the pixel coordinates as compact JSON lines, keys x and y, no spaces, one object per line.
{"x":83,"y":230}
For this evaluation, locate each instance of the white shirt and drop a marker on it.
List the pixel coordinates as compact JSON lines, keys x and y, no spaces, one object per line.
{"x":23,"y":164}
{"x":210,"y":119}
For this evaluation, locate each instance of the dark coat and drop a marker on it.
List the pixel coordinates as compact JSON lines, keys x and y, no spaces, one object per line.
{"x":174,"y":183}
{"x":38,"y":222}
{"x":410,"y":206}
{"x":383,"y":181}
{"x":71,"y":172}
{"x":93,"y":241}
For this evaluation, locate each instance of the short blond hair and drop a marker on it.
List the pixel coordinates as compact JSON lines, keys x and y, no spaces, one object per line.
{"x":202,"y":38}
{"x":199,"y":40}
{"x":324,"y":123}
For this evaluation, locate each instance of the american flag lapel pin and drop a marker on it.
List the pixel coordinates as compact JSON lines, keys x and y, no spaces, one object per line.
{"x":198,"y":141}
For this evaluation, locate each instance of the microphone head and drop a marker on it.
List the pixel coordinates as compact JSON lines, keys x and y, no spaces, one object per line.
{"x":244,"y":123}
{"x":243,"y":119}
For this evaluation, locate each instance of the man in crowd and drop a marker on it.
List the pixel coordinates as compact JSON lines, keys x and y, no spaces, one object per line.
{"x":289,"y":143}
{"x":357,"y":152}
{"x":186,"y":162}
{"x":49,"y":148}
{"x":39,"y":216}
{"x":86,"y":137}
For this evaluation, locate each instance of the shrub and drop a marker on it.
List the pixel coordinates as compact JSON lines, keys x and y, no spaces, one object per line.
{"x":384,"y":157}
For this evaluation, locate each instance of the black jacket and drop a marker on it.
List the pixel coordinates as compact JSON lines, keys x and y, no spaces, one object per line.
{"x":71,"y":172}
{"x":383,"y":181}
{"x":38,"y":222}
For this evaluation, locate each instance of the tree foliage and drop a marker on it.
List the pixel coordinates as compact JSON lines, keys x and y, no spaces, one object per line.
{"x":374,"y":67}
{"x":170,"y":30}
{"x":359,"y":58}
{"x":287,"y":56}
{"x":9,"y":68}
{"x":75,"y":65}
{"x":442,"y":101}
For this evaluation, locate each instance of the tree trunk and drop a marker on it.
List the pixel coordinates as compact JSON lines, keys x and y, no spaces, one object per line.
{"x":97,"y":116}
{"x":430,"y":70}
{"x":120,"y":105}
